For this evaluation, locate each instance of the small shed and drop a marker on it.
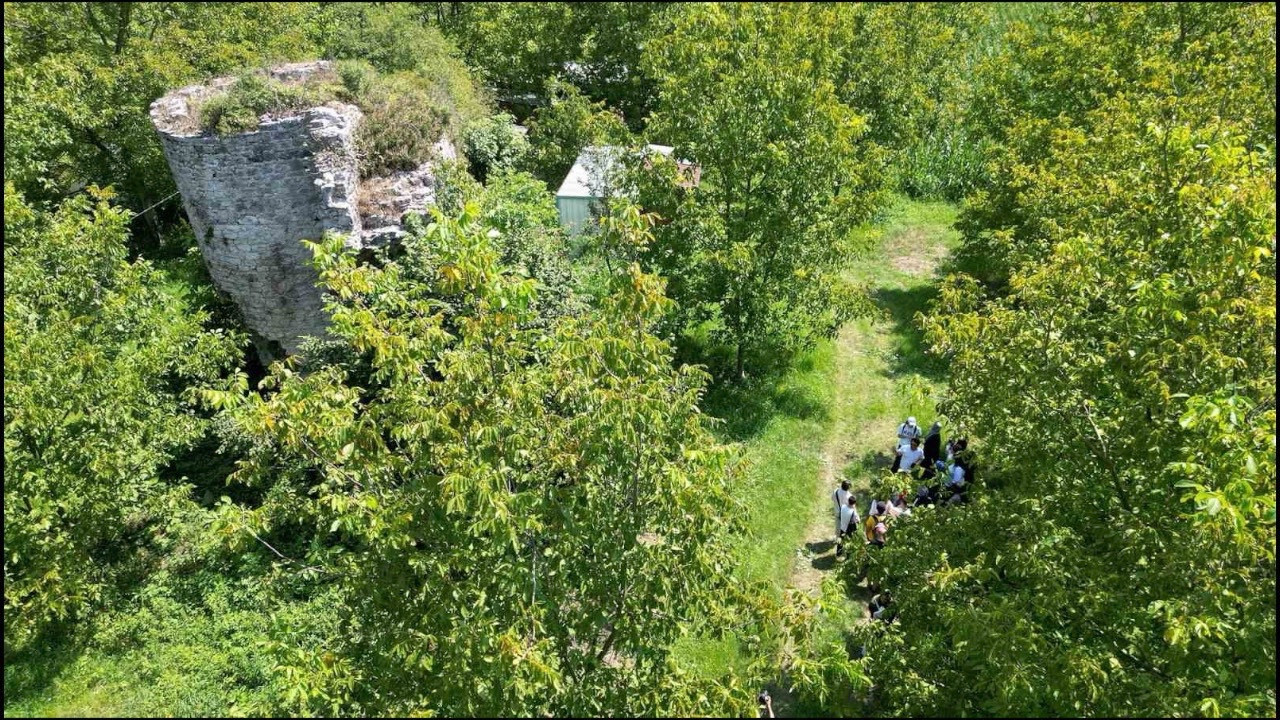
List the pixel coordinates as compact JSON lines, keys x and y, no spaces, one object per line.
{"x":588,"y":182}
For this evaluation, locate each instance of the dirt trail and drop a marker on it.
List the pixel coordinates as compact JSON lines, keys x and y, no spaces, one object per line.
{"x":847,"y":441}
{"x":874,"y":360}
{"x":817,"y":555}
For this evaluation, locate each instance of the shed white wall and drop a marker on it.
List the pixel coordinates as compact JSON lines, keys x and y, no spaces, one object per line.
{"x":575,"y":213}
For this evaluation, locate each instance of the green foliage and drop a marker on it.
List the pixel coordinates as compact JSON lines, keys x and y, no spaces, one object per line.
{"x":455,"y":188}
{"x":568,"y":123}
{"x":493,"y":144}
{"x":521,"y":47}
{"x":820,"y":668}
{"x":405,"y":76}
{"x":483,"y":497}
{"x":254,"y":94}
{"x":403,"y":118}
{"x":395,"y":41}
{"x":1122,"y":385}
{"x":531,"y":239}
{"x":758,"y":245}
{"x":389,"y":36}
{"x":193,"y":633}
{"x":522,"y":222}
{"x":907,"y":68}
{"x":1067,"y":79}
{"x":405,"y":113}
{"x":544,"y":512}
{"x":96,"y":356}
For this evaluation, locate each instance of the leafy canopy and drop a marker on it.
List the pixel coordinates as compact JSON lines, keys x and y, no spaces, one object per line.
{"x":747,"y":92}
{"x":97,"y":351}
{"x":1121,"y":559}
{"x":520,"y":518}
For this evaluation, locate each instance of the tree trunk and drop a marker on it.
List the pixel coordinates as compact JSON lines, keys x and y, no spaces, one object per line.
{"x":741,"y":374}
{"x":122,"y":26}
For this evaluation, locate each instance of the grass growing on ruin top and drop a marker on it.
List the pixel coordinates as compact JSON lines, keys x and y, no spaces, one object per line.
{"x":254,"y":94}
{"x":404,"y":117}
{"x":405,"y":113}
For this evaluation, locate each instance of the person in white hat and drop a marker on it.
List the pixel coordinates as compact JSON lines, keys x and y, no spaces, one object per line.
{"x":907,"y":431}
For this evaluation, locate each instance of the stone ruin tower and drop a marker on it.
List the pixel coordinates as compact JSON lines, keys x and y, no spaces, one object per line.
{"x":253,"y":197}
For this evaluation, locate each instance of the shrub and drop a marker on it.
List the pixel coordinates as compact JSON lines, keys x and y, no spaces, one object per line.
{"x":96,"y":351}
{"x":256,"y":93}
{"x":392,"y":39}
{"x":493,"y":144}
{"x":946,"y":165}
{"x":405,"y":115}
{"x":408,"y":107}
{"x":402,"y":123}
{"x":559,"y":131}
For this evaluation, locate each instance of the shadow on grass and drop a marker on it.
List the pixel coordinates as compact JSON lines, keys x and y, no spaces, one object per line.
{"x":33,"y":668}
{"x":907,"y":355}
{"x":744,"y":408}
{"x":817,"y":548}
{"x":871,"y":462}
{"x":824,"y":563}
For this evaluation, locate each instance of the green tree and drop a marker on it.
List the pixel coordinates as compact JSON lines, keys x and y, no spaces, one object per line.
{"x":747,"y":92}
{"x":493,"y":144}
{"x":520,"y":518}
{"x":1198,"y":61}
{"x":520,"y":47}
{"x":525,"y":230}
{"x":1119,"y":558}
{"x":97,"y":352}
{"x":908,"y":68}
{"x":568,"y":123}
{"x":531,"y":239}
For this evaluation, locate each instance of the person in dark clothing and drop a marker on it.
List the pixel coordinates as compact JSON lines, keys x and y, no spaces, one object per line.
{"x":933,"y":445}
{"x":922,"y":497}
{"x":766,"y":704}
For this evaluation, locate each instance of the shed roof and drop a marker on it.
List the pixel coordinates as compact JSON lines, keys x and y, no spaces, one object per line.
{"x":589,"y":174}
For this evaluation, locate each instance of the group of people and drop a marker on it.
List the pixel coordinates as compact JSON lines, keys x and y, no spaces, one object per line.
{"x":875,"y":527}
{"x":943,"y":481}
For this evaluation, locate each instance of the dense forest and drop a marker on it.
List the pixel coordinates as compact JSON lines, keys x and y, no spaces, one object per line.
{"x":530,"y":470}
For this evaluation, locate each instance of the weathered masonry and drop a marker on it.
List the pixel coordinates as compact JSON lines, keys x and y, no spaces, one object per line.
{"x":253,"y":197}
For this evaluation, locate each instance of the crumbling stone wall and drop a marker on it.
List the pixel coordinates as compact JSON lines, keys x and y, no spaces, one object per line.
{"x":252,"y":198}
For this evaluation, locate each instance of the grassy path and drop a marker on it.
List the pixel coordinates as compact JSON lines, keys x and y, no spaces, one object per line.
{"x":879,"y":374}
{"x":831,"y":417}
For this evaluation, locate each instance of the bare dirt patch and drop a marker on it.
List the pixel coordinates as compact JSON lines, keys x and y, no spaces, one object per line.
{"x":913,"y":252}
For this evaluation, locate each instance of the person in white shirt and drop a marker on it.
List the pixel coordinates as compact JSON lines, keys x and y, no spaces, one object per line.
{"x":907,"y":431}
{"x":910,"y":457}
{"x":841,"y":498}
{"x":847,"y":522}
{"x":879,"y":605}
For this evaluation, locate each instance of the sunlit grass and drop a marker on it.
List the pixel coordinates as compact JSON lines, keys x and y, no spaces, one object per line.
{"x":883,"y":375}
